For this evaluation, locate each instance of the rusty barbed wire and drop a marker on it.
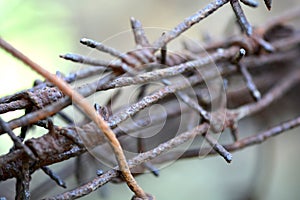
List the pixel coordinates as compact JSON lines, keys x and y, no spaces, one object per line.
{"x":238,"y":55}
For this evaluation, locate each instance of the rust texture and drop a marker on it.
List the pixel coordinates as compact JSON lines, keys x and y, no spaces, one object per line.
{"x":257,"y":55}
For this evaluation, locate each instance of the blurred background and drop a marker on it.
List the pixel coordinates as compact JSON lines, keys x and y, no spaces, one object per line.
{"x":44,"y":29}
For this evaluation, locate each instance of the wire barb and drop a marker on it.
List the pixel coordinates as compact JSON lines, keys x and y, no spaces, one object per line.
{"x":54,"y":176}
{"x":17,"y":141}
{"x":88,"y":110}
{"x":250,"y":84}
{"x":140,"y":67}
{"x":218,"y":148}
{"x":268,"y":4}
{"x":139,"y":33}
{"x":101,"y":47}
{"x":250,"y":3}
{"x":85,"y":60}
{"x":239,"y":13}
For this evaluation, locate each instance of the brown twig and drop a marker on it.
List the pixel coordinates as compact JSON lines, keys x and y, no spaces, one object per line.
{"x":54,"y":108}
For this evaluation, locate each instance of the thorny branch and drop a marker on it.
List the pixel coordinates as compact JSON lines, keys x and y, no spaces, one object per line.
{"x":245,"y":55}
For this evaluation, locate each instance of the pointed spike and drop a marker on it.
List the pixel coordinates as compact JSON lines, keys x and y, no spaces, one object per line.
{"x":89,"y":42}
{"x":250,"y":3}
{"x":239,"y":13}
{"x":240,"y":54}
{"x":268,"y":4}
{"x":54,"y":176}
{"x":85,"y":60}
{"x":264,"y":44}
{"x":72,"y":57}
{"x":139,"y":33}
{"x":101,"y":47}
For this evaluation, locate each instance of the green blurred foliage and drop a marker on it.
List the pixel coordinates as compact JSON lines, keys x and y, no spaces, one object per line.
{"x":40,"y":31}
